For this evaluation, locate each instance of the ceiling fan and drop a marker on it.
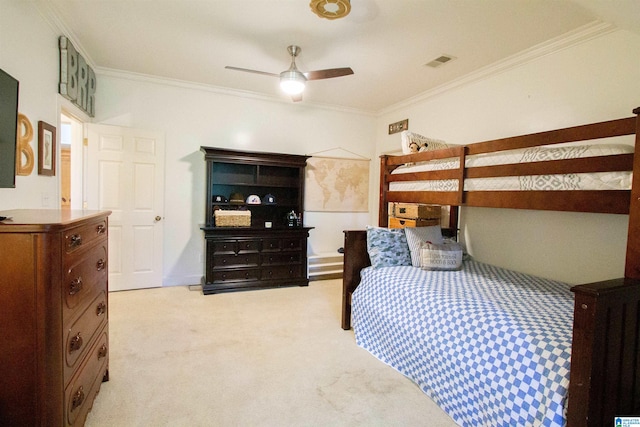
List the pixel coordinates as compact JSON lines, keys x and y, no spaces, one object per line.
{"x":292,"y":81}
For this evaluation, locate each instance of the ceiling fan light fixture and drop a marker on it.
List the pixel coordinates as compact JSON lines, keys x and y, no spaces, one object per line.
{"x":292,"y":82}
{"x":330,"y":9}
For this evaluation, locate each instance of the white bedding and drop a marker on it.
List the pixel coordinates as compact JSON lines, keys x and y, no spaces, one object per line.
{"x":579,"y":181}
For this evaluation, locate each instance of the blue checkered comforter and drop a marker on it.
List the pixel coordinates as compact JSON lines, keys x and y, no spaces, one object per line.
{"x":490,"y":346}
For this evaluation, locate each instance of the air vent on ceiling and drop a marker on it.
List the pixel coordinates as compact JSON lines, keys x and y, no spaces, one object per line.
{"x":442,"y":59}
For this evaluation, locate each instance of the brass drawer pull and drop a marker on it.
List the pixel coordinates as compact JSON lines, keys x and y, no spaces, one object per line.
{"x":78,"y":399}
{"x":75,"y":286}
{"x":101,"y":309}
{"x":101,"y":229}
{"x":102,"y":353}
{"x":75,"y":240}
{"x":100,"y":264}
{"x":76,"y":343}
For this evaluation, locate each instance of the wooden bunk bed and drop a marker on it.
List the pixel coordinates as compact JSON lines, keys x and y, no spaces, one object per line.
{"x":605,"y":351}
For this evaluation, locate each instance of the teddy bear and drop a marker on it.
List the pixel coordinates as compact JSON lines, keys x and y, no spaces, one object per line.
{"x":414,"y":147}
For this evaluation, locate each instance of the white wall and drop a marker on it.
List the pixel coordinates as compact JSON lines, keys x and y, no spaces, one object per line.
{"x":193,"y":116}
{"x":595,"y":80}
{"x":29,"y":53}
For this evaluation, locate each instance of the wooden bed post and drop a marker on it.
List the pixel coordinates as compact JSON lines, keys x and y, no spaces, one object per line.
{"x":383,"y":214}
{"x":605,"y":369}
{"x":462,"y":174}
{"x":355,"y":259}
{"x":632,"y":265}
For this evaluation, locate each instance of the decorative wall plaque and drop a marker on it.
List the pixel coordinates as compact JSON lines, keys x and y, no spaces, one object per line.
{"x":77,"y":78}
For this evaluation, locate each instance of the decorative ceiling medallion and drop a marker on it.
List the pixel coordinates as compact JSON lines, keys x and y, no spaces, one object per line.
{"x":330,"y":9}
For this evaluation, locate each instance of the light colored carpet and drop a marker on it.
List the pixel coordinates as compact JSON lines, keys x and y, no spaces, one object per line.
{"x":274,"y":357}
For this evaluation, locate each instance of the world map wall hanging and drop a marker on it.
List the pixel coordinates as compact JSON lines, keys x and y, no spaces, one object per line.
{"x":336,"y":185}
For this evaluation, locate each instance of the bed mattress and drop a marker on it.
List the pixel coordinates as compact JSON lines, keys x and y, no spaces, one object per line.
{"x":490,"y":346}
{"x":577,"y":181}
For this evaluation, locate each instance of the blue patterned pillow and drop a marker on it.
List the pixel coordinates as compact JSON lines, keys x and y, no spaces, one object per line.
{"x":387,"y":247}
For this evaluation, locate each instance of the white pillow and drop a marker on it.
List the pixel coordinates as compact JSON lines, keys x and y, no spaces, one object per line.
{"x":422,"y":142}
{"x":447,"y":256}
{"x":418,"y":235}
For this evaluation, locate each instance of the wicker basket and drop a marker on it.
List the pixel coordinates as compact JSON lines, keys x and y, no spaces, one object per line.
{"x":232,"y":218}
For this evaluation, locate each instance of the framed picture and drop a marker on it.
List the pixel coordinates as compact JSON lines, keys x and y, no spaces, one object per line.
{"x":46,"y":149}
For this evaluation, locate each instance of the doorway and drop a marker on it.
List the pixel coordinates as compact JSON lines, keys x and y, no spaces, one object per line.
{"x":72,"y":161}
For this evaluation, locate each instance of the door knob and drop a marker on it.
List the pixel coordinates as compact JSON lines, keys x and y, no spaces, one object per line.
{"x":158,"y":218}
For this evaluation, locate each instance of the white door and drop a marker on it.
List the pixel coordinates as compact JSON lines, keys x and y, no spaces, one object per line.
{"x":126,"y":176}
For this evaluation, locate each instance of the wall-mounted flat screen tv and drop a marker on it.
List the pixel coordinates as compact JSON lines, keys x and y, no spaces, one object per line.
{"x":8,"y":129}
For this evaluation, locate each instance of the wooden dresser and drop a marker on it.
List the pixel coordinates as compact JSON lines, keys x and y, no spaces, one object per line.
{"x":54,"y":343}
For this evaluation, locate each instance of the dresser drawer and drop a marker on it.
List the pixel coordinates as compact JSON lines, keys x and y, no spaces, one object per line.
{"x":291,"y":244}
{"x":234,"y":275}
{"x":271,"y":245}
{"x":80,"y":334}
{"x":229,"y":260}
{"x":282,"y":272}
{"x":236,"y":246}
{"x":84,"y":235}
{"x":281,"y":244}
{"x":82,"y":389}
{"x":281,"y":258}
{"x":84,"y":276}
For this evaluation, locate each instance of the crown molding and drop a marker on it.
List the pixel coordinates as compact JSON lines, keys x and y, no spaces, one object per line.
{"x":165,"y":81}
{"x":580,"y":35}
{"x":51,"y":16}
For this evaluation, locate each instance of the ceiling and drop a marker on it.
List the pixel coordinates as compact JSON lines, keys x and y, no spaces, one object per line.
{"x":386,"y":42}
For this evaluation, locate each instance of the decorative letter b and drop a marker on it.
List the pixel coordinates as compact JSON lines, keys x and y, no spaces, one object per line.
{"x":25,"y":135}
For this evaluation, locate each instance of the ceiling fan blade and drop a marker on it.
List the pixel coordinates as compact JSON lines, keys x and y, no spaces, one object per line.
{"x":252,"y":71}
{"x":328,"y":74}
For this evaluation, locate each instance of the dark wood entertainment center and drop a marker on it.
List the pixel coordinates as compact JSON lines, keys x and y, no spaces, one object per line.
{"x":268,"y":252}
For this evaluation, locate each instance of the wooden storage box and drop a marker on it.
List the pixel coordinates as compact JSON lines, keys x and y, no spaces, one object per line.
{"x":414,"y":211}
{"x":232,"y":218}
{"x":403,"y":222}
